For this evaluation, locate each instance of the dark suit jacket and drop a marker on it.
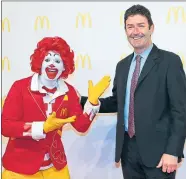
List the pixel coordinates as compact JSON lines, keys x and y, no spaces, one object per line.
{"x":159,"y":106}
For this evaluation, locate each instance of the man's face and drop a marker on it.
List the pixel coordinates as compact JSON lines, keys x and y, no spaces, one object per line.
{"x":138,"y":32}
{"x":52,"y":66}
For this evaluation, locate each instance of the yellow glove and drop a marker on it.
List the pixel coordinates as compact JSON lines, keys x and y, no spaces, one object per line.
{"x":94,"y":92}
{"x":52,"y":123}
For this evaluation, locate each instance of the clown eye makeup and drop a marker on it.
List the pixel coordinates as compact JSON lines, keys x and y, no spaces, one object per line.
{"x":57,"y":61}
{"x":47,"y":60}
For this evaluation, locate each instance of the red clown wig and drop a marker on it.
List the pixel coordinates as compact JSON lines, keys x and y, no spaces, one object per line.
{"x":55,"y":44}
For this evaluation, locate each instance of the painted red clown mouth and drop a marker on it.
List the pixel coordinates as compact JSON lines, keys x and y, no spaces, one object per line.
{"x":51,"y":72}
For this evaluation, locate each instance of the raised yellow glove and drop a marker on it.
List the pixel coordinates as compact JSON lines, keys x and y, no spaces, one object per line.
{"x":94,"y":92}
{"x":52,"y":123}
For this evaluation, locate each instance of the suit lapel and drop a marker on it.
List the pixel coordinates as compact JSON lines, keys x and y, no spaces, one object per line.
{"x":123,"y":73}
{"x":150,"y":62}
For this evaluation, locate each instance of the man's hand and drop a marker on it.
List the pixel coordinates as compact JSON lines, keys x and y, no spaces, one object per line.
{"x":94,"y":92}
{"x":118,"y":164}
{"x":52,"y":123}
{"x":168,"y":163}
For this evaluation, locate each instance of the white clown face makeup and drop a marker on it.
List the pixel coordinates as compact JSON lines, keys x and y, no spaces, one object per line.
{"x":52,"y":66}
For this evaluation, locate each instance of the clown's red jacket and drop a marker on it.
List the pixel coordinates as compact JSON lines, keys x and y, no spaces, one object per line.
{"x":24,"y":154}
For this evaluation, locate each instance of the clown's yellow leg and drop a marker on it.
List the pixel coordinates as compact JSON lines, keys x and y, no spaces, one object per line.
{"x":50,"y":173}
{"x":12,"y":175}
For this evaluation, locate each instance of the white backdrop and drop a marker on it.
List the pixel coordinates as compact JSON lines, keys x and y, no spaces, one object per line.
{"x":97,"y":36}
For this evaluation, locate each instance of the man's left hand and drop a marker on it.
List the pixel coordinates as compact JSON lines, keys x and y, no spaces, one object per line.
{"x":168,"y":163}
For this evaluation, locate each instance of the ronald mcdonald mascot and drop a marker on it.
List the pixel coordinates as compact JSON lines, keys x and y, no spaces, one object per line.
{"x":36,"y":109}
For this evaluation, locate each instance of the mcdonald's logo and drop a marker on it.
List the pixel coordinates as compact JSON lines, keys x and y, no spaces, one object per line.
{"x":6,"y":61}
{"x":63,"y":112}
{"x":85,"y":59}
{"x":5,"y":22}
{"x":41,"y":20}
{"x":122,"y":18}
{"x":176,"y":13}
{"x":84,"y":18}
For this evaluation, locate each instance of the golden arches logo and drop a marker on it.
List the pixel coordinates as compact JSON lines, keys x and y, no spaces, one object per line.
{"x":85,"y":59}
{"x":63,"y":112}
{"x":84,"y":17}
{"x":122,"y":18}
{"x":6,"y":61}
{"x":5,"y":22}
{"x":41,"y":20}
{"x":177,"y":13}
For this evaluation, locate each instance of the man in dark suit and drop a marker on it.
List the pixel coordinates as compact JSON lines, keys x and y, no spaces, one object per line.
{"x":149,"y":96}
